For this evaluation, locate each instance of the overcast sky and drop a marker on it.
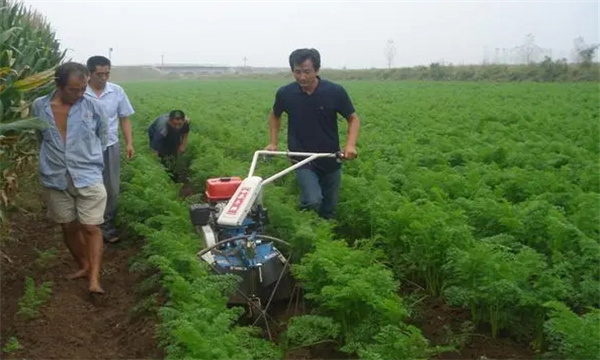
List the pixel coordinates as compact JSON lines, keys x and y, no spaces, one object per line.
{"x":350,"y":34}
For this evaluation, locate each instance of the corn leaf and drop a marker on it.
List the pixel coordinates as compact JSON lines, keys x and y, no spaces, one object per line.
{"x":31,"y":123}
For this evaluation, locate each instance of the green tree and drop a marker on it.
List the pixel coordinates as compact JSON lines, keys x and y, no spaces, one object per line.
{"x":585,"y":52}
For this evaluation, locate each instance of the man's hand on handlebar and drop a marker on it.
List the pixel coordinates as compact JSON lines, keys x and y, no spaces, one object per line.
{"x":349,"y":153}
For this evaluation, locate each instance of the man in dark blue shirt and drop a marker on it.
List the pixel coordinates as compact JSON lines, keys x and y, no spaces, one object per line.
{"x":312,"y":105}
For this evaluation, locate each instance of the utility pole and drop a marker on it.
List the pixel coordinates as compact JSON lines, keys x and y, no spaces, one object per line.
{"x":162,"y":61}
{"x":390,"y":52}
{"x":244,"y":61}
{"x":110,"y":50}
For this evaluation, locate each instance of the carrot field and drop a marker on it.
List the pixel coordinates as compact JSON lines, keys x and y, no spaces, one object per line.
{"x":485,"y":196}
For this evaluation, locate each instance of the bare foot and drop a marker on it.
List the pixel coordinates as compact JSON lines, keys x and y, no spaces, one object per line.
{"x":95,"y":289}
{"x":81,"y":273}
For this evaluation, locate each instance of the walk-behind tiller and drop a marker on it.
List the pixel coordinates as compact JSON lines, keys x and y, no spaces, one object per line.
{"x":232,"y":223}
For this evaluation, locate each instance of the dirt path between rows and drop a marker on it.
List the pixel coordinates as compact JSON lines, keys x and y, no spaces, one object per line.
{"x":70,"y":324}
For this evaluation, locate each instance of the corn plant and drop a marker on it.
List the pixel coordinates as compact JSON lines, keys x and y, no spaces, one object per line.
{"x":29,"y":52}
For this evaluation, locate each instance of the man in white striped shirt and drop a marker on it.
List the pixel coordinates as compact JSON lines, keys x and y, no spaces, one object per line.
{"x":118,"y":109}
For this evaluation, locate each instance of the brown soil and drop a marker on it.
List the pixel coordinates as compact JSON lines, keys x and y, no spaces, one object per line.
{"x":70,"y":324}
{"x":441,"y":323}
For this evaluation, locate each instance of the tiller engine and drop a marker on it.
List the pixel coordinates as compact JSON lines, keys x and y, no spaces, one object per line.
{"x":231,"y":224}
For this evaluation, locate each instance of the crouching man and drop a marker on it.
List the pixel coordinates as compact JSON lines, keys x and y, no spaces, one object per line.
{"x":168,"y":136}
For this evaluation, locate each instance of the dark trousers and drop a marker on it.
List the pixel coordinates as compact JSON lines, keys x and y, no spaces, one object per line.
{"x":110,"y":175}
{"x":319,"y":190}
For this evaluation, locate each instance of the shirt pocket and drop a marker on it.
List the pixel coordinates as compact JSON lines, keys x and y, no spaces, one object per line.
{"x":88,"y":126}
{"x":112,"y":108}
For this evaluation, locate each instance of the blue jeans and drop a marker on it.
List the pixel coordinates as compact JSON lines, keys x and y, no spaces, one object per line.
{"x":319,"y":190}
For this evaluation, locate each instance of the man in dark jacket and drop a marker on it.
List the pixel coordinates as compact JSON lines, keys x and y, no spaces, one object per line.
{"x":168,"y":134}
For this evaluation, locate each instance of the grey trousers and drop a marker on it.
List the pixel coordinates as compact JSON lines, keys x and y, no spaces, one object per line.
{"x":111,"y":175}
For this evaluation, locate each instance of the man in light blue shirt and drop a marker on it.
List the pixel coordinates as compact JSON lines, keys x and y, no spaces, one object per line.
{"x":118,"y":110}
{"x":70,"y":166}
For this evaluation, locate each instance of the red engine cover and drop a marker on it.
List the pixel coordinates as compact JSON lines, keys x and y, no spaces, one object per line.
{"x":219,"y":189}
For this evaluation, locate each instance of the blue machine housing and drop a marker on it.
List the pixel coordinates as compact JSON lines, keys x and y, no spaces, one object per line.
{"x":239,"y":258}
{"x":263,"y":270}
{"x":257,"y":262}
{"x":236,"y":255}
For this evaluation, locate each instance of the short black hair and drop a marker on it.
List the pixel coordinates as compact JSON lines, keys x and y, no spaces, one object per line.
{"x":298,"y":56}
{"x":68,"y":69}
{"x":97,"y":60}
{"x":176,"y":114}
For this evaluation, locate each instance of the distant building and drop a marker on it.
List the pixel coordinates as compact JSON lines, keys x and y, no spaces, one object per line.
{"x":193,"y":69}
